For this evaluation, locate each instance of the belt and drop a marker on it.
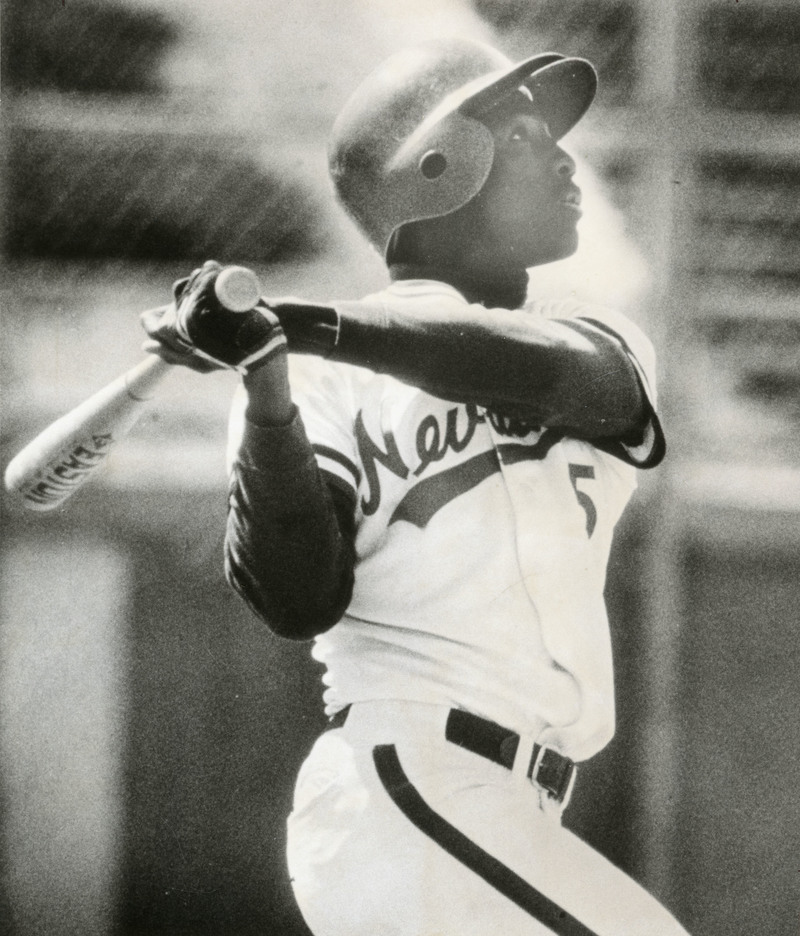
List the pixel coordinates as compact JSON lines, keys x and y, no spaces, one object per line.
{"x":548,"y":769}
{"x":553,"y":772}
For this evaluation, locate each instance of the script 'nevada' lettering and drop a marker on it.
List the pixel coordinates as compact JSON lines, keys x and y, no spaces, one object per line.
{"x":71,"y":471}
{"x":428,"y":496}
{"x":370,"y":453}
{"x":432,"y":446}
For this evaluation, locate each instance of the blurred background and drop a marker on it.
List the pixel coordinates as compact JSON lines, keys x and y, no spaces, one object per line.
{"x":150,"y":727}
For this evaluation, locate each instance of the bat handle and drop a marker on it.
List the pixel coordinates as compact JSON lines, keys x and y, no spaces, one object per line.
{"x":142,"y":380}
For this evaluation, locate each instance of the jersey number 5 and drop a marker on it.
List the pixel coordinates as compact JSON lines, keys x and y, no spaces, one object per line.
{"x":576,"y":473}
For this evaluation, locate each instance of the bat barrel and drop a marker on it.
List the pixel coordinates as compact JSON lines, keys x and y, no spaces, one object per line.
{"x":65,"y":455}
{"x":68,"y":452}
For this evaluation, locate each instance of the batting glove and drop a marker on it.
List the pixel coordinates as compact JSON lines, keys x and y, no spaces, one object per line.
{"x":198,"y":332}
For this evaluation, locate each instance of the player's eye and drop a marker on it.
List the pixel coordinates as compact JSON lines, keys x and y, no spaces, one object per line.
{"x":534,"y":135}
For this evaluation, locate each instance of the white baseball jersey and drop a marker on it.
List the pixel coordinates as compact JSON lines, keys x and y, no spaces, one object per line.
{"x":482,"y":543}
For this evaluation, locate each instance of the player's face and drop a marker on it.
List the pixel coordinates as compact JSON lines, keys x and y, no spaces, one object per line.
{"x":527,"y":212}
{"x":529,"y":207}
{"x":525,"y":215}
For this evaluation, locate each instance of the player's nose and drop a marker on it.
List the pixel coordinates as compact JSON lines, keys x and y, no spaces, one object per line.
{"x":564,"y":164}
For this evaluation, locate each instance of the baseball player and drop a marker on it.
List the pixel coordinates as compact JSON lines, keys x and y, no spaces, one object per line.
{"x":428,"y":489}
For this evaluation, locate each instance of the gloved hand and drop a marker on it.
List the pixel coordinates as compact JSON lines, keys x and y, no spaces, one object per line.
{"x":198,"y":332}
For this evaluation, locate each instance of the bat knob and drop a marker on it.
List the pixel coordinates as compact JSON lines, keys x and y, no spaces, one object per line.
{"x":237,"y":289}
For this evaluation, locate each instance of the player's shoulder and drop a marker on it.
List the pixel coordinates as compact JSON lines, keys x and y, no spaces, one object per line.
{"x":572,"y":308}
{"x":414,"y":297}
{"x":308,"y":369}
{"x":411,"y":289}
{"x":598,"y":319}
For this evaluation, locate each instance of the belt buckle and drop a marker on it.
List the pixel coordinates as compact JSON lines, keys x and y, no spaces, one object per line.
{"x":554,"y":773}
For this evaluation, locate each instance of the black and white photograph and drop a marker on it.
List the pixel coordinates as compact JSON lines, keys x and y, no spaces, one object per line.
{"x":401,"y":459}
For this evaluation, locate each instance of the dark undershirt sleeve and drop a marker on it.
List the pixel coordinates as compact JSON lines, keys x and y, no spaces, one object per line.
{"x":538,"y":369}
{"x":289,"y":546}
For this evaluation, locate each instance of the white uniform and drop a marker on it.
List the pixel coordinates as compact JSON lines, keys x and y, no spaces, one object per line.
{"x":481,"y":555}
{"x":481,"y":546}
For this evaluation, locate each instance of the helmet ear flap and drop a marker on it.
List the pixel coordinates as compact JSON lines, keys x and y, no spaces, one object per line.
{"x":437,"y":170}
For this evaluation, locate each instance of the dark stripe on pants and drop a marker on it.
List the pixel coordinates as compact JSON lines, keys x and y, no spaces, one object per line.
{"x":406,"y":796}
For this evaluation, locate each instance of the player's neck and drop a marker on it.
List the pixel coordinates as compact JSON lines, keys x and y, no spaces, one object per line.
{"x":501,"y":289}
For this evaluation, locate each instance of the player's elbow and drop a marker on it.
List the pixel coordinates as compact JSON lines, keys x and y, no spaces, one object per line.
{"x":306,"y":617}
{"x":299,"y":627}
{"x":292,"y":614}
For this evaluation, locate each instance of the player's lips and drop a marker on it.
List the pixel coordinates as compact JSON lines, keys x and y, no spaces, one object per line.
{"x":572,"y":200}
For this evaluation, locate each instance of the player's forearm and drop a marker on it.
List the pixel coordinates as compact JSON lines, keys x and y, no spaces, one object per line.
{"x":507,"y":360}
{"x":500,"y":358}
{"x":285,"y":552}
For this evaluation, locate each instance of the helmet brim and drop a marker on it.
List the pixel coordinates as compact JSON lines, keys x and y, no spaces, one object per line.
{"x":561,"y":88}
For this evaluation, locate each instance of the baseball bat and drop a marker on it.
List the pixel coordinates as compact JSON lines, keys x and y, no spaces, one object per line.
{"x":65,"y":455}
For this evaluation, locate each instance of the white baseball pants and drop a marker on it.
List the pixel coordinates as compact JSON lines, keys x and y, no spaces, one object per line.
{"x":397,"y":832}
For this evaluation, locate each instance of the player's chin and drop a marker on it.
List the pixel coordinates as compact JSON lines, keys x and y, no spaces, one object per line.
{"x":567,"y":231}
{"x":569,"y":244}
{"x":557,"y":248}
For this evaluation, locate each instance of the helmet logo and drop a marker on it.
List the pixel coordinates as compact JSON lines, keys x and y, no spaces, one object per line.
{"x":432,"y":164}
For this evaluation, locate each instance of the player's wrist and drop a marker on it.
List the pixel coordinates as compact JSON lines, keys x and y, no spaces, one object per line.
{"x":268,"y":395}
{"x":310,"y":328}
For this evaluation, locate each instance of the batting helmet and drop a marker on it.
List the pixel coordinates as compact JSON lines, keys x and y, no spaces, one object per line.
{"x":409,"y":143}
